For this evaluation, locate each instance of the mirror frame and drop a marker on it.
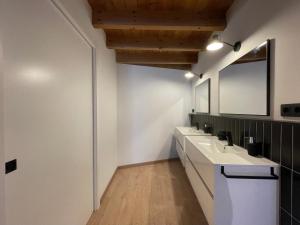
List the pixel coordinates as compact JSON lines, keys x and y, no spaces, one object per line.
{"x":268,"y":100}
{"x":209,"y":95}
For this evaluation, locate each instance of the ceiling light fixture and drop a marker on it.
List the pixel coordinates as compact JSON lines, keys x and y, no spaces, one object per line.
{"x":217,"y":44}
{"x":190,"y":75}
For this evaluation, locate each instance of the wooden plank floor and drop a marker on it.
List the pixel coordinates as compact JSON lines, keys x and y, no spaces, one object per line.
{"x":158,"y":194}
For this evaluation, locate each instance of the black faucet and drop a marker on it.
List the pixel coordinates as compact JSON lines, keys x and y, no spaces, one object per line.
{"x":229,"y":138}
{"x":197,"y":125}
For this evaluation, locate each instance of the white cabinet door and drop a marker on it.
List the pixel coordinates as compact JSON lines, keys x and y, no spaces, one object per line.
{"x":47,"y":107}
{"x":180,"y":152}
{"x":203,"y":166}
{"x":204,"y":197}
{"x":246,"y":201}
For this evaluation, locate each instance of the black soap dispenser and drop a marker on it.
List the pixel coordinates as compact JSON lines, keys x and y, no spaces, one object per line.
{"x":254,"y":148}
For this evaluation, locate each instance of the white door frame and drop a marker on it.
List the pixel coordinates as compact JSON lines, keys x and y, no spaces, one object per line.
{"x":73,"y":23}
{"x":2,"y":153}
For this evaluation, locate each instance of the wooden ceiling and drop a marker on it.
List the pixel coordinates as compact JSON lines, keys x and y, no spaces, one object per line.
{"x":160,"y":33}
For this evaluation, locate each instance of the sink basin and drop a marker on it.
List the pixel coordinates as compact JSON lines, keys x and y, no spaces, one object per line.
{"x":215,"y":146}
{"x":222,"y":147}
{"x":218,"y":153}
{"x":180,"y":134}
{"x":190,"y":131}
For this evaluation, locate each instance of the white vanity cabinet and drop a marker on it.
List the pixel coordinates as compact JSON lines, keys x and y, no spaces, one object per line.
{"x":180,"y":134}
{"x":232,"y":187}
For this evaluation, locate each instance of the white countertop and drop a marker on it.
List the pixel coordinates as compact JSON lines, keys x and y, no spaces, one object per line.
{"x":191,"y":131}
{"x":210,"y":147}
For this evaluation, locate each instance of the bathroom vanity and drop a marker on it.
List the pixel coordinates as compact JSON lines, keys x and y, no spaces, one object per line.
{"x":180,"y":134}
{"x":232,"y":187}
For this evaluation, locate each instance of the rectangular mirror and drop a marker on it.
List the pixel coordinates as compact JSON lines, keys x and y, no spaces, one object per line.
{"x":202,"y":97}
{"x":244,"y":85}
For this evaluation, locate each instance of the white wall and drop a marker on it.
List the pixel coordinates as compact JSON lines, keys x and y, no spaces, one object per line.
{"x":107,"y":121}
{"x":253,"y":22}
{"x":151,"y":103}
{"x":106,"y":89}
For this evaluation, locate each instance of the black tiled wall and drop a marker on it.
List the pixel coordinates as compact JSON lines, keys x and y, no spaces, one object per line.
{"x":281,"y":143}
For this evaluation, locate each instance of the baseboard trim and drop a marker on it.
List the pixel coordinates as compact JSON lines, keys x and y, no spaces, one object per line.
{"x":147,"y":163}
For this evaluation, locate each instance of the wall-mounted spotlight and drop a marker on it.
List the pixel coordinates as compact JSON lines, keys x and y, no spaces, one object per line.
{"x":190,"y":75}
{"x":217,"y":44}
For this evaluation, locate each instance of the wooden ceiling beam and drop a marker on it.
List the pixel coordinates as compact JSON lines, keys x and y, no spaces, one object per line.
{"x":155,"y":57}
{"x":165,"y":20}
{"x":168,"y":66}
{"x":153,"y":41}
